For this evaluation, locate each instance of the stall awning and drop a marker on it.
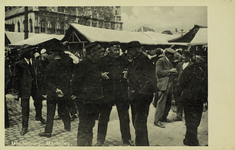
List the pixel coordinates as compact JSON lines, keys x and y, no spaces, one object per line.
{"x":38,"y":39}
{"x":196,"y":36}
{"x":82,"y":33}
{"x":200,"y":38}
{"x":15,"y":37}
{"x":161,"y":38}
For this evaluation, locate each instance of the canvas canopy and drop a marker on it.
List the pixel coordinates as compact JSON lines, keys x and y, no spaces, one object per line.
{"x":38,"y":39}
{"x":196,"y":36}
{"x":15,"y":37}
{"x":200,"y":38}
{"x":161,"y":38}
{"x":82,"y":34}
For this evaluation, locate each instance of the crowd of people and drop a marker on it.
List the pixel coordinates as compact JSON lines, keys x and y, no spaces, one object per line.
{"x":89,"y":88}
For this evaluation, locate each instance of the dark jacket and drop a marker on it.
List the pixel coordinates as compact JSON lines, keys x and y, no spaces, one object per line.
{"x":25,"y":77}
{"x":58,"y":75}
{"x":193,"y":85}
{"x":86,"y":81}
{"x":141,"y":76}
{"x":115,"y":67}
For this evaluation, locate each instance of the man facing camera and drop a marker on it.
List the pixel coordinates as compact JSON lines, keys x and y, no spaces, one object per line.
{"x":142,"y":85}
{"x":114,"y":68}
{"x":87,"y":91}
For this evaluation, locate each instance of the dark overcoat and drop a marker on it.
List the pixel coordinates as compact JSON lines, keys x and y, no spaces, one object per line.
{"x":24,"y":78}
{"x":86,"y":81}
{"x":141,"y":75}
{"x":116,"y":68}
{"x":58,"y":74}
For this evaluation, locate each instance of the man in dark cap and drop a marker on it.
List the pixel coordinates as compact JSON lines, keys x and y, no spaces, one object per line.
{"x":186,"y":61}
{"x":164,"y":73}
{"x":57,"y":79}
{"x":142,"y":85}
{"x":114,"y":68}
{"x":27,"y":85}
{"x":87,"y":91}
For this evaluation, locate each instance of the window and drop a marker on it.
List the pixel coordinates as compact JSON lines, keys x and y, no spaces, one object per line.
{"x":60,"y":9}
{"x":31,"y":25}
{"x":112,"y":26}
{"x":53,"y":28}
{"x":18,"y":26}
{"x":36,"y":16}
{"x":94,"y":24}
{"x":43,"y":26}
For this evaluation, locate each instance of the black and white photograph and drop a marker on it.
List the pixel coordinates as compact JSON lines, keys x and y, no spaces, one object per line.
{"x":106,"y":76}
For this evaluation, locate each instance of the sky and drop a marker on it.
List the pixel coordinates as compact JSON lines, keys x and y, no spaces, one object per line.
{"x":162,"y":18}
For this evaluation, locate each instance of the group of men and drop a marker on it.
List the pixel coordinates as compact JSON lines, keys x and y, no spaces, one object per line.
{"x":98,"y":83}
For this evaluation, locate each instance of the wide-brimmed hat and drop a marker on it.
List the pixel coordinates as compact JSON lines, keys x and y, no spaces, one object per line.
{"x":27,"y":48}
{"x":133,"y":44}
{"x":92,"y":46}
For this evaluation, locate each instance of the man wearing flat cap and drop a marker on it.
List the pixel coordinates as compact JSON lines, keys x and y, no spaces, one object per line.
{"x":186,"y":62}
{"x":87,"y":91}
{"x":57,"y":79}
{"x":27,"y":84}
{"x":165,"y":75}
{"x":114,"y":68}
{"x":142,"y":85}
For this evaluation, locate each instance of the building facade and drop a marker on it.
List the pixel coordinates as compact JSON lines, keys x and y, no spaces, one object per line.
{"x":56,"y":20}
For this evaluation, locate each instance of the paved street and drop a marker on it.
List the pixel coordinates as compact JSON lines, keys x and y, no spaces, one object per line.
{"x":172,"y":135}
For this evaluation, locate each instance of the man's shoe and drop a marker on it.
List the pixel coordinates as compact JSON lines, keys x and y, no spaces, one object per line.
{"x":23,"y":131}
{"x":99,"y":143}
{"x":159,"y":124}
{"x":166,"y":120}
{"x":44,"y":134}
{"x":128,"y":142}
{"x":43,"y":121}
{"x":73,"y":117}
{"x":57,"y":118}
{"x":178,"y":119}
{"x":67,"y":129}
{"x":186,"y":142}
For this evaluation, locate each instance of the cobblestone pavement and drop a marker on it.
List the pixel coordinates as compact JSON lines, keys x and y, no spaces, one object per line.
{"x":172,"y":135}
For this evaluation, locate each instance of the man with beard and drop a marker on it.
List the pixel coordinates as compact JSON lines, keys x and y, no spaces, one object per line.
{"x":27,"y":85}
{"x":87,"y":91}
{"x":164,"y":73}
{"x":142,"y":85}
{"x":114,"y":68}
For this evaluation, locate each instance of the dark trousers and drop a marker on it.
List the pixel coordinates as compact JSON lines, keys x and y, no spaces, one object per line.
{"x":7,"y":123}
{"x":140,"y":110}
{"x":123,"y":114}
{"x":63,"y":111}
{"x":193,"y":114}
{"x":25,"y":106}
{"x":72,"y":108}
{"x":179,"y":105}
{"x":87,"y":116}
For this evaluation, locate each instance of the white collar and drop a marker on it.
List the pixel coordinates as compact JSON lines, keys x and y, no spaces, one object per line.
{"x":27,"y":60}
